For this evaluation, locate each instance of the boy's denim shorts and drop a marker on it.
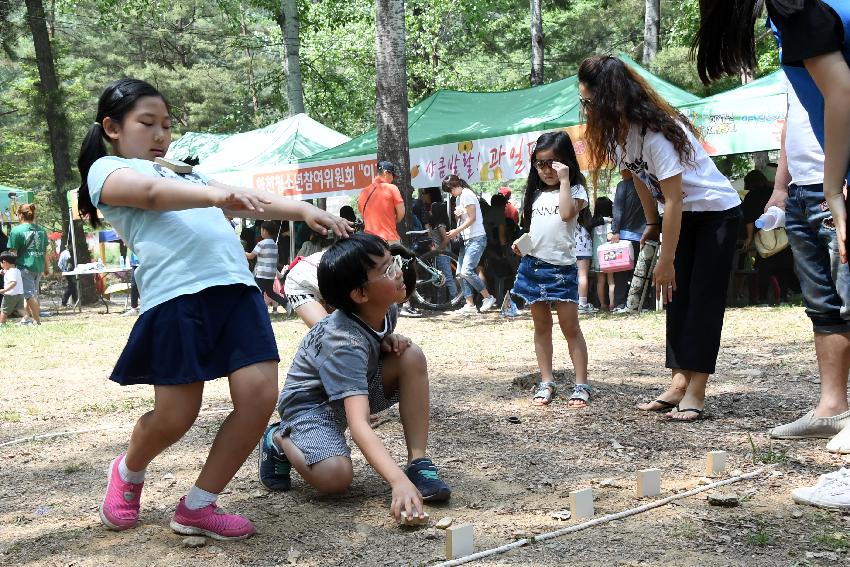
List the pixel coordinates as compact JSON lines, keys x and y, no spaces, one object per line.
{"x":320,"y":434}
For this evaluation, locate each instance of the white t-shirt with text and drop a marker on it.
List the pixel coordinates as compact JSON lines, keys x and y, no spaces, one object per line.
{"x":652,"y":158}
{"x":552,"y":239}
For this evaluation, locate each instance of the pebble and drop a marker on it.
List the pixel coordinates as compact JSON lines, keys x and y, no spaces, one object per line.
{"x":259,"y":494}
{"x":168,"y":476}
{"x":215,"y":549}
{"x":703,"y":480}
{"x":562,"y":515}
{"x":616,"y":445}
{"x":431,"y":533}
{"x":194,"y":541}
{"x":797,"y":514}
{"x":725,"y":499}
{"x":444,"y":523}
{"x":607,"y":482}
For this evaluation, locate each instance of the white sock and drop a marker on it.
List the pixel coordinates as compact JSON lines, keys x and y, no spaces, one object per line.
{"x":582,"y":301}
{"x":199,"y":498}
{"x":133,"y":477}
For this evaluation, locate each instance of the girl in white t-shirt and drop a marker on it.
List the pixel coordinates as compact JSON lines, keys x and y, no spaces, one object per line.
{"x":470,"y":227}
{"x":547,"y":277}
{"x":630,"y":124}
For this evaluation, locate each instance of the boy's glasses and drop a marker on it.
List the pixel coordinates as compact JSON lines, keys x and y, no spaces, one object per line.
{"x":543,"y":163}
{"x":394,"y":269}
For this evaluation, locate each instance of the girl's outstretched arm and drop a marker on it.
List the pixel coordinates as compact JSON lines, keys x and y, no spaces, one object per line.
{"x":276,"y":207}
{"x":129,"y":188}
{"x":832,"y":76}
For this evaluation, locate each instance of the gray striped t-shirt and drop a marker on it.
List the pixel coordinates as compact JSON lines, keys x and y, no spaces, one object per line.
{"x":266,"y":251}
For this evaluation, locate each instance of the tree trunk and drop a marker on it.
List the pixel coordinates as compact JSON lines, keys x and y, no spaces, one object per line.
{"x":391,"y":97}
{"x":255,"y":101}
{"x":58,"y":133}
{"x":536,"y":44}
{"x":289,"y":24}
{"x":651,"y":30}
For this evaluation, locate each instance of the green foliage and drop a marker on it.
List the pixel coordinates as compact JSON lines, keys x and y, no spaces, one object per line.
{"x":221,"y":62}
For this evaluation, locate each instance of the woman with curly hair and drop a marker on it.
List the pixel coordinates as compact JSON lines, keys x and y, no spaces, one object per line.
{"x":687,"y":199}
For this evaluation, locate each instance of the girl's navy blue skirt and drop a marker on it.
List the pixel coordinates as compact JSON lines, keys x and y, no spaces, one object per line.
{"x":538,"y":281}
{"x":198,"y":337}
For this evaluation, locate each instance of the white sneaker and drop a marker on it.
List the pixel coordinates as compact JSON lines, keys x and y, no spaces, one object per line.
{"x":832,"y":491}
{"x":841,"y":442}
{"x":467,"y":309}
{"x":487,"y":304}
{"x":131,"y":311}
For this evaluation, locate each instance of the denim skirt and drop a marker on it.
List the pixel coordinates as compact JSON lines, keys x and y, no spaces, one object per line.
{"x":198,"y":337}
{"x":538,"y":281}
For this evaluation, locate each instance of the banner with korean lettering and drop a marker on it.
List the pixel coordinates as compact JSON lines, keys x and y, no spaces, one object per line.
{"x":488,"y":159}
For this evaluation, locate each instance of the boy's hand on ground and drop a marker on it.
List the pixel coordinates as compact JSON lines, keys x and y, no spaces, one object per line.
{"x":406,"y":498}
{"x":395,"y":343}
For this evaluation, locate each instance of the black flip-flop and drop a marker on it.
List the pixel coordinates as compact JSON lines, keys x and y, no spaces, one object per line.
{"x":665,"y":405}
{"x":699,"y":415}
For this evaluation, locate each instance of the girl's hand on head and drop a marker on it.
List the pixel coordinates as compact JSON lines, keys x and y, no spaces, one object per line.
{"x":562,"y":170}
{"x":322,"y":222}
{"x":237,"y":198}
{"x":665,"y":281}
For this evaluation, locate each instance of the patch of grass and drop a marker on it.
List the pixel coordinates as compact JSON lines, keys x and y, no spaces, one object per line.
{"x":767,"y":455}
{"x":835,"y":541}
{"x":32,"y":410}
{"x":115,"y":406}
{"x":760,"y":539}
{"x":10,"y":416}
{"x":72,"y":468}
{"x":686,"y":530}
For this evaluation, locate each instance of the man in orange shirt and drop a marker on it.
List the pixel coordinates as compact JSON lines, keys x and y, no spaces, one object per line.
{"x":381,"y":204}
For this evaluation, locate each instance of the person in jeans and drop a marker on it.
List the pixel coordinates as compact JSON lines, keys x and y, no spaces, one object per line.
{"x":824,"y":280}
{"x":66,"y":264}
{"x":470,"y":226}
{"x":628,"y":224}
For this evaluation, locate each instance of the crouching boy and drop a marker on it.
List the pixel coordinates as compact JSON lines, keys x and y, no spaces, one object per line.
{"x":348,"y":365}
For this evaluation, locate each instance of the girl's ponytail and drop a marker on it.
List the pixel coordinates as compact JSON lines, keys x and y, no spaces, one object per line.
{"x":92,"y":149}
{"x":117,"y":100}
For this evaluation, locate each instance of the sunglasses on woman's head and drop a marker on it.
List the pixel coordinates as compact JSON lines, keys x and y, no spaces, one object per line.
{"x":586,"y":102}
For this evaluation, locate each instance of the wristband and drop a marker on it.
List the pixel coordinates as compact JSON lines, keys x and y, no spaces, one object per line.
{"x":654,"y":223}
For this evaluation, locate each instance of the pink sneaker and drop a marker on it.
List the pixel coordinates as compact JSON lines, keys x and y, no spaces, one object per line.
{"x":120,"y":507}
{"x":210,"y":521}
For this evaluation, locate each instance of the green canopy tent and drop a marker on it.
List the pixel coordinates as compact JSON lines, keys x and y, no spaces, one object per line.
{"x":481,"y":136}
{"x":233,"y":158}
{"x":10,"y":199}
{"x":746,"y":119}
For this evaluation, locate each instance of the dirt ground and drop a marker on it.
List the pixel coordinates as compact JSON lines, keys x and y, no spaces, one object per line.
{"x":508,"y":478}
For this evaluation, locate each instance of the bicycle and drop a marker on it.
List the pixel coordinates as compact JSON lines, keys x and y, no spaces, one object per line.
{"x":437,"y":283}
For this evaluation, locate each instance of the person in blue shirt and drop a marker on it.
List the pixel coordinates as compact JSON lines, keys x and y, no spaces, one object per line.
{"x":199,"y":300}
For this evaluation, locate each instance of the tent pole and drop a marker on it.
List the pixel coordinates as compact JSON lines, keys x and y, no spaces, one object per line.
{"x":74,"y":253}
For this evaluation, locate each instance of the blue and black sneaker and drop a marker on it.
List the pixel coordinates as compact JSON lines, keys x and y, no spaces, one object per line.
{"x":274,"y":466}
{"x":424,"y":476}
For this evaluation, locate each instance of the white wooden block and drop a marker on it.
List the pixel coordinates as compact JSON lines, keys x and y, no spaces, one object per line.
{"x":414,"y":520}
{"x":715,"y":463}
{"x":459,"y":541}
{"x":648,"y":483}
{"x":581,"y":503}
{"x":174,"y":165}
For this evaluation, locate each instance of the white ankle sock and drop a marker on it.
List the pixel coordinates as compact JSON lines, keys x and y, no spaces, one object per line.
{"x":133,"y":477}
{"x":582,"y":301}
{"x":199,"y":498}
